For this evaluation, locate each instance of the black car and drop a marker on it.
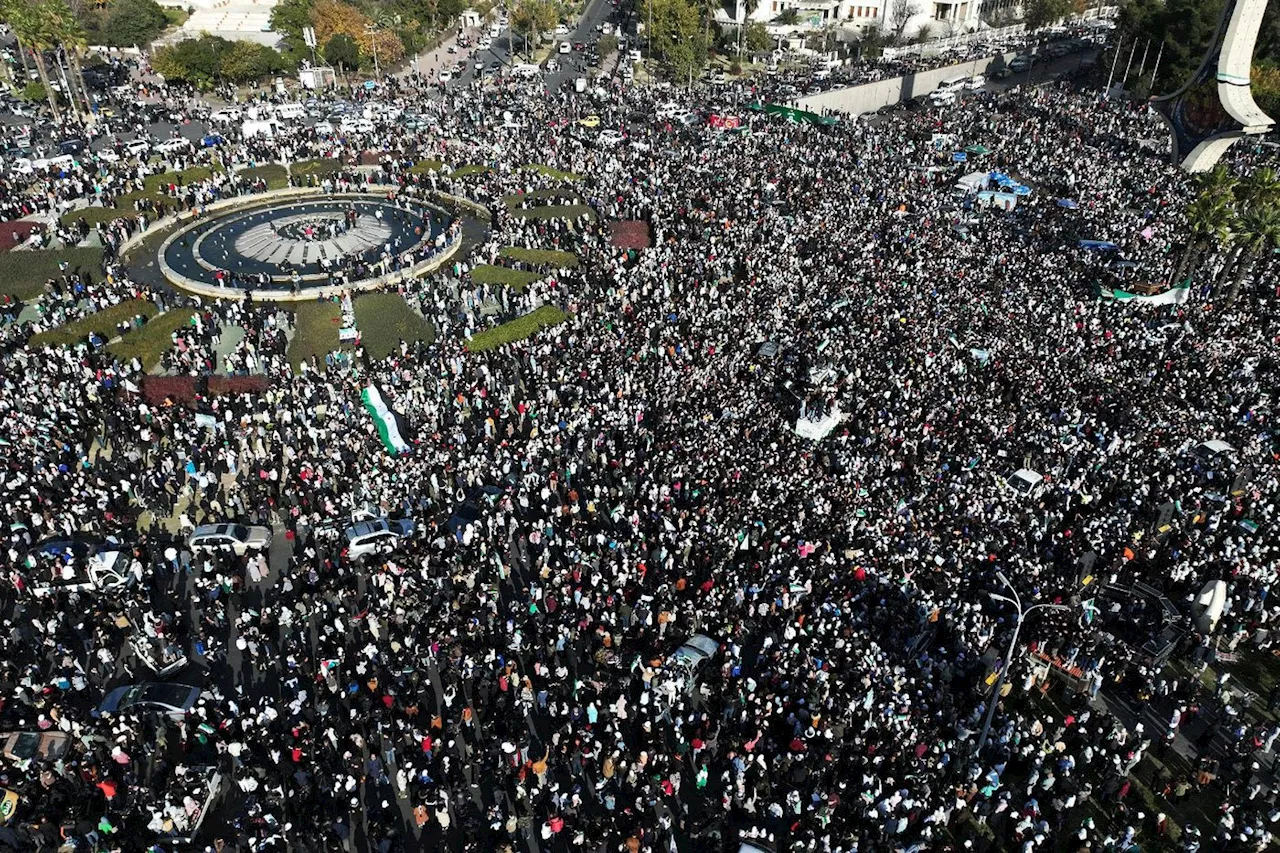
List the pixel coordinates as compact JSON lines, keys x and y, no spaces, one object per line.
{"x":72,"y":146}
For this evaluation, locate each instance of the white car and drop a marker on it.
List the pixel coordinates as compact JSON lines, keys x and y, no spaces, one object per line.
{"x":323,"y":128}
{"x":173,"y":146}
{"x":239,"y":538}
{"x":610,"y":138}
{"x":445,"y":76}
{"x":562,"y":30}
{"x":377,"y":536}
{"x":606,"y":29}
{"x":565,"y":47}
{"x":484,"y":43}
{"x":976,"y":82}
{"x":106,"y":155}
{"x":356,"y":125}
{"x":226,"y":115}
{"x":137,"y":148}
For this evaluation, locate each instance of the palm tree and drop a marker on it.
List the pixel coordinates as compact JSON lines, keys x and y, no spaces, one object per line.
{"x":1209,"y":218}
{"x":1259,"y":233}
{"x":71,"y":35}
{"x":34,"y":25}
{"x":1262,"y":187}
{"x":748,"y":9}
{"x":1217,"y":182}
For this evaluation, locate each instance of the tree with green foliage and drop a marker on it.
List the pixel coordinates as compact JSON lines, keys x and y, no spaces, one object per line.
{"x":244,"y":61}
{"x":36,"y":26}
{"x":757,"y":38}
{"x":1257,"y":234}
{"x":132,"y":22}
{"x":290,"y":17}
{"x":342,"y":52}
{"x":676,"y":38}
{"x":532,"y":18}
{"x":788,"y":17}
{"x":1210,"y":219}
{"x":1180,"y":30}
{"x":1042,"y":13}
{"x":608,"y":46}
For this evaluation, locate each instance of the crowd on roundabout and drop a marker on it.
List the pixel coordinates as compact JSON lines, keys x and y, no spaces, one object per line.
{"x":586,"y":501}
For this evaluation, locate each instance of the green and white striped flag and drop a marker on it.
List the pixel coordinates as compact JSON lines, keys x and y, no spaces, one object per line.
{"x":392,"y":427}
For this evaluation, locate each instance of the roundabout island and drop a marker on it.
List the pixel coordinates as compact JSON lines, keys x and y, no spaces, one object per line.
{"x":294,"y":244}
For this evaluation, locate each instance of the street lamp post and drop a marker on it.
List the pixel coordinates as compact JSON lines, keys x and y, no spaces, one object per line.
{"x":1016,"y":601}
{"x":372,"y":30}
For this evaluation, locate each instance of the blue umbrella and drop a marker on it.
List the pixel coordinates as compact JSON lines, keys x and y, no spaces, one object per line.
{"x":1069,"y":204}
{"x":1021,"y":189}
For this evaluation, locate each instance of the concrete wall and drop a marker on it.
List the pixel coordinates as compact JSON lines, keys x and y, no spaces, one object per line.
{"x":869,"y":97}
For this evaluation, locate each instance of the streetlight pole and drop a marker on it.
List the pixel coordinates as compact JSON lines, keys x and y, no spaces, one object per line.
{"x":1016,"y":601}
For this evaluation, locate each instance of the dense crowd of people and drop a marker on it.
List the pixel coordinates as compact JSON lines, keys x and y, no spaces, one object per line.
{"x":587,"y":500}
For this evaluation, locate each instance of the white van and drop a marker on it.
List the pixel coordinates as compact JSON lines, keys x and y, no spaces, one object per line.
{"x":953,"y":84}
{"x":266,"y":128}
{"x":525,"y":69}
{"x":291,"y":112}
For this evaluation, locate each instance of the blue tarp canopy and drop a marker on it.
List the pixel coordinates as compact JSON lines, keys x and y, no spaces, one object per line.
{"x":1068,"y":203}
{"x":1098,"y":245}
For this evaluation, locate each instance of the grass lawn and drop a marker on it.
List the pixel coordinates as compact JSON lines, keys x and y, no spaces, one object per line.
{"x":554,"y":194}
{"x":102,"y":322}
{"x":517,"y":330}
{"x":152,"y":341}
{"x":157,"y":183}
{"x":315,"y":333}
{"x":95,"y":214}
{"x":276,"y":176}
{"x":23,"y":274}
{"x":464,"y":171}
{"x":321,"y":168}
{"x":422,"y":167}
{"x":517,"y":280}
{"x":153,"y":188}
{"x":385,"y":319}
{"x":174,"y":15}
{"x":552,"y":172}
{"x":541,"y":257}
{"x":555,"y":211}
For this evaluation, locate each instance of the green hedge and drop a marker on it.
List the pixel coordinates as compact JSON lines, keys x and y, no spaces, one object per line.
{"x":152,"y":341}
{"x":276,"y":175}
{"x":385,"y":319}
{"x":552,"y":172}
{"x":541,"y":257}
{"x":464,"y":171}
{"x":151,"y":189}
{"x":103,"y":322}
{"x":315,"y":332}
{"x":23,"y":274}
{"x":517,"y":280}
{"x":559,"y":194}
{"x":518,"y":329}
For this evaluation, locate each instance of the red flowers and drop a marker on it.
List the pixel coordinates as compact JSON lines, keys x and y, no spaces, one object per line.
{"x":630,"y":234}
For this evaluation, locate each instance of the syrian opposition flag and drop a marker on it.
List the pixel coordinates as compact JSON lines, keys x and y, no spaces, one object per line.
{"x":392,"y":427}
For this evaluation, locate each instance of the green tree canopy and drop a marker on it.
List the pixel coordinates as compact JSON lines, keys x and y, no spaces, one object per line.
{"x":132,"y":22}
{"x":677,"y":37}
{"x":343,"y":52}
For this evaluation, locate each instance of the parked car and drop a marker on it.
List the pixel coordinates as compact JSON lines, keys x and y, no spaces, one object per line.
{"x":173,"y":146}
{"x":376,"y":537}
{"x":25,"y":746}
{"x":138,"y":148}
{"x":239,"y":538}
{"x":172,"y":700}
